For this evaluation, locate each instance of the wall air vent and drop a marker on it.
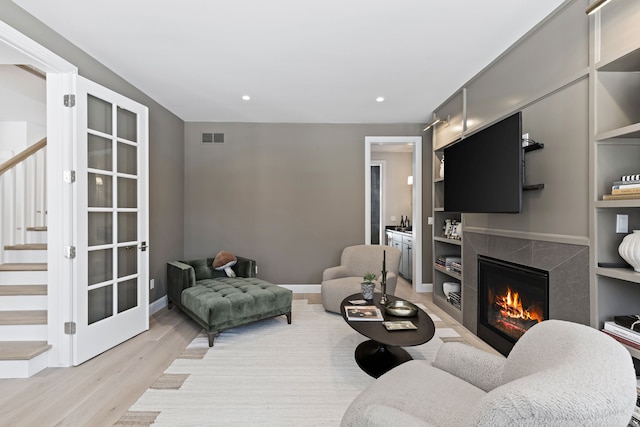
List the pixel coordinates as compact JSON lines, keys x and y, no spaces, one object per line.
{"x":216,"y":138}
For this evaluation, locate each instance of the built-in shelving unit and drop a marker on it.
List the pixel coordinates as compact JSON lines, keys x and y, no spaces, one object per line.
{"x":615,"y":151}
{"x":442,"y":245}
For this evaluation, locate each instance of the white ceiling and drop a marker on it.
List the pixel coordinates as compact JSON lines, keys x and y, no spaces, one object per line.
{"x":305,"y":61}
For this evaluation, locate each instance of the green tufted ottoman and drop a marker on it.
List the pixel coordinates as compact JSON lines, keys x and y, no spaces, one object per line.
{"x":218,"y":302}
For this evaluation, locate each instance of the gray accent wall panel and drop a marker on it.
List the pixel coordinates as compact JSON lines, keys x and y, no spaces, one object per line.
{"x":620,"y":27}
{"x":552,"y":53}
{"x":290,"y":196}
{"x":560,"y":121}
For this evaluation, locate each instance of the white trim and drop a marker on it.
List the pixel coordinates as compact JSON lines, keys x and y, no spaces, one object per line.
{"x":158,"y":305}
{"x":303,"y":289}
{"x":416,"y":214}
{"x":60,"y":81}
{"x":42,"y":58}
{"x":424,"y":287}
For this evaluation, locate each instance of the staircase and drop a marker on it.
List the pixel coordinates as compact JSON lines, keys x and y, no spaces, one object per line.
{"x":23,"y":264}
{"x":23,"y":307}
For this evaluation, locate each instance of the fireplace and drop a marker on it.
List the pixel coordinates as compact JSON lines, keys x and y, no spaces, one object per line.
{"x":511,"y":299}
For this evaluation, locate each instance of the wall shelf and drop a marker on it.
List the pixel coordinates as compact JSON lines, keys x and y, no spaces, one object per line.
{"x":532,"y":187}
{"x":533,"y":147}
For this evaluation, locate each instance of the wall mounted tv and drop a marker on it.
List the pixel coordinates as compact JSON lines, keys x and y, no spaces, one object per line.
{"x":483,"y":172}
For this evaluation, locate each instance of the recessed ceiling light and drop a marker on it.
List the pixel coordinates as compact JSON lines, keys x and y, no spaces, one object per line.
{"x":380,"y":99}
{"x":246,"y":97}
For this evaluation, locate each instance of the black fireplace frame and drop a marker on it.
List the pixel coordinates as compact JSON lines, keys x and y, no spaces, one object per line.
{"x":494,"y":337}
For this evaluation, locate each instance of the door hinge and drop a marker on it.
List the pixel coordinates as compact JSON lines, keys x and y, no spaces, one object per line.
{"x":70,"y":328}
{"x":70,"y":252}
{"x":70,"y":100}
{"x":69,"y":176}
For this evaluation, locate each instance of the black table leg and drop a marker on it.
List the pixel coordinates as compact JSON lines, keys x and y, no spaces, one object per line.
{"x":376,"y":359}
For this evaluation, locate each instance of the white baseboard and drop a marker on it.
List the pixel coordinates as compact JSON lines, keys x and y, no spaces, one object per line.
{"x":424,"y":287}
{"x":302,"y":289}
{"x":158,"y":305}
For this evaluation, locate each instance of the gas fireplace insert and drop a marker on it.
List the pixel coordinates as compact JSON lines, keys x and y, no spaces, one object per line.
{"x":511,"y":299}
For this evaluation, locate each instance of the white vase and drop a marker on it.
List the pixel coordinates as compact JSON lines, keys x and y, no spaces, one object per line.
{"x":629,"y":249}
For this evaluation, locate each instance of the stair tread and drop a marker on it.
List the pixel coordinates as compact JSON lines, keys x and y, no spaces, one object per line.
{"x":27,"y":247}
{"x":23,"y":317}
{"x":22,"y":350}
{"x":24,"y":266}
{"x":23,"y":290}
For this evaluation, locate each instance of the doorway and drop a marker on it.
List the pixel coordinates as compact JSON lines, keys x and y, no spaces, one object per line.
{"x":377,"y":202}
{"x":415,"y":142}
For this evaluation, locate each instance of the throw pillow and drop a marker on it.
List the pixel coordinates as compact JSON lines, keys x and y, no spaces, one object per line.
{"x":224,"y":261}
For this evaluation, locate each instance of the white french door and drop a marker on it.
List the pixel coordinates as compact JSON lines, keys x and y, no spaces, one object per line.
{"x":111,"y":268}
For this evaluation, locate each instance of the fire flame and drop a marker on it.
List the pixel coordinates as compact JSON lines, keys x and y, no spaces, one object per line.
{"x":510,"y":306}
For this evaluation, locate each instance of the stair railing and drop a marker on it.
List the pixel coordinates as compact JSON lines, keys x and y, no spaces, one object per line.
{"x":23,"y":194}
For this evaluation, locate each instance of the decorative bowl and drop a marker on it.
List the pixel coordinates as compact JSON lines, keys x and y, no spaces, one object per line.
{"x":448,"y":287}
{"x":401,"y":309}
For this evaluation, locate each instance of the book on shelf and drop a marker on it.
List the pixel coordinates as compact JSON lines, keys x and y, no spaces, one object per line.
{"x":630,"y":322}
{"x":623,"y":332}
{"x":627,"y":186}
{"x":445,"y":261}
{"x":625,"y":196}
{"x":637,"y":181}
{"x":456,"y":267}
{"x":625,"y":190}
{"x":622,"y":340}
{"x":363,"y":313}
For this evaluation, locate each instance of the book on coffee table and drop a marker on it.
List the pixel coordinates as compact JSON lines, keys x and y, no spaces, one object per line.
{"x":399,"y":325}
{"x":363,"y":312}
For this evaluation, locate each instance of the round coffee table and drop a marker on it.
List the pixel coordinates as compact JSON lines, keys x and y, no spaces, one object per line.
{"x":383,"y":351}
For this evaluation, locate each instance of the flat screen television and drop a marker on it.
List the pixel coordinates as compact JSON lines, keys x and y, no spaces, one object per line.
{"x":483,"y":172}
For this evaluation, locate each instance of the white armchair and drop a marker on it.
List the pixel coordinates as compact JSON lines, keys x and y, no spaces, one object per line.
{"x":343,"y":280}
{"x":558,"y":374}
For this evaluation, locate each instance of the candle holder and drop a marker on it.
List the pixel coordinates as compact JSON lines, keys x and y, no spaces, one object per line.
{"x":383,"y":281}
{"x":383,"y":285}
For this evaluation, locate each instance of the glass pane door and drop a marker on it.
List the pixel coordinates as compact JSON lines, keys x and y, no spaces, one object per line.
{"x":112,"y":289}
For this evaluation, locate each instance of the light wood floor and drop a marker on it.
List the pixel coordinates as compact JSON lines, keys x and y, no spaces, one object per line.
{"x":99,"y":391}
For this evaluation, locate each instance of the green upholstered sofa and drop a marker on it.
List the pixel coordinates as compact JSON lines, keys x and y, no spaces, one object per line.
{"x":217,"y":302}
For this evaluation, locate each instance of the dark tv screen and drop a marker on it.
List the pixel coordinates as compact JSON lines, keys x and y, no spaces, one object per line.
{"x":483,"y":172}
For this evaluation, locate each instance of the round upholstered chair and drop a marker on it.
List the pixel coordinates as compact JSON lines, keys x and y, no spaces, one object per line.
{"x":343,"y":280}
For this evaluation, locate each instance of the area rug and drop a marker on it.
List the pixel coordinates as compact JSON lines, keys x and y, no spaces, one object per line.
{"x":267,"y":373}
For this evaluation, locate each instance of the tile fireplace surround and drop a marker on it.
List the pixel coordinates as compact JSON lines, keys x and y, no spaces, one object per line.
{"x":568,"y":267}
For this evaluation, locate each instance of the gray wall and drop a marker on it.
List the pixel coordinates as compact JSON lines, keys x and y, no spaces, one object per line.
{"x":290,"y":196}
{"x":166,"y":133}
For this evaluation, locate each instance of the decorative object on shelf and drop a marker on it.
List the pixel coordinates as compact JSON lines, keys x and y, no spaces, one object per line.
{"x":449,"y":287}
{"x":447,"y":228}
{"x":401,"y":309}
{"x":383,"y":281}
{"x":629,"y":249}
{"x":368,"y":286}
{"x":457,"y":231}
{"x":442,"y":167}
{"x":452,"y":229}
